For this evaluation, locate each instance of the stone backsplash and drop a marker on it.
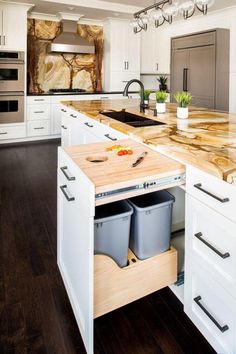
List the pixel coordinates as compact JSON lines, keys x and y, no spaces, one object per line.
{"x":47,"y":71}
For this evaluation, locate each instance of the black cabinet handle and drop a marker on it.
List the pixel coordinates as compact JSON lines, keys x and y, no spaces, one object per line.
{"x":3,"y":133}
{"x":70,"y":199}
{"x":110,"y":137}
{"x":222,"y":200}
{"x":88,"y":125}
{"x":73,"y":116}
{"x":70,"y":178}
{"x":222,"y":255}
{"x":221,"y":328}
{"x":63,"y":127}
{"x":63,"y":110}
{"x":38,"y":128}
{"x":185,"y":79}
{"x":39,"y":100}
{"x":38,"y":111}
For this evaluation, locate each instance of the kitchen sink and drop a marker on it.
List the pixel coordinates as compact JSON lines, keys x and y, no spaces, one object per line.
{"x":131,"y":119}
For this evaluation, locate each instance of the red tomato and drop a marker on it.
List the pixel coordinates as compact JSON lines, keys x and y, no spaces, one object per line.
{"x":125,"y":152}
{"x":120,"y":153}
{"x":130,"y":152}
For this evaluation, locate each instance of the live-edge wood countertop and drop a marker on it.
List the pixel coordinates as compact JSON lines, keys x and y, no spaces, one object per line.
{"x":206,"y":140}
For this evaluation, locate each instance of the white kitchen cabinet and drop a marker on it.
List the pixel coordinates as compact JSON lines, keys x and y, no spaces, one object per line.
{"x":155,"y":51}
{"x":13,"y":17}
{"x":38,"y":128}
{"x":121,"y":54}
{"x":13,"y":131}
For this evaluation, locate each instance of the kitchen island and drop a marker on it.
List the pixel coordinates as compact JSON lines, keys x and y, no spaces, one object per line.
{"x":204,"y":145}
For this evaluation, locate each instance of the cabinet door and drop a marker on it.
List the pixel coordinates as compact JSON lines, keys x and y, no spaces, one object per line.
{"x":56,"y":119}
{"x":118,"y":45}
{"x":201,"y":76}
{"x":75,"y":249}
{"x":161,"y":60}
{"x":133,"y":49}
{"x":148,"y":51}
{"x":14,"y":18}
{"x":180,"y":60}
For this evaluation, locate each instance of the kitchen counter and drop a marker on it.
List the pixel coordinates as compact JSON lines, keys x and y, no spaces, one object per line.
{"x":79,"y":93}
{"x":207,"y":140}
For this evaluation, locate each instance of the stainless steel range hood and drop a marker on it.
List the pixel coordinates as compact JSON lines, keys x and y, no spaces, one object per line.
{"x":69,"y":41}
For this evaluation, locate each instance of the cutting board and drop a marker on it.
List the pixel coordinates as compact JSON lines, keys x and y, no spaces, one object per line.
{"x":116,"y":171}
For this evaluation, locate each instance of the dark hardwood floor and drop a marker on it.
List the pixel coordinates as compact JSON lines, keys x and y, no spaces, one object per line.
{"x":35,"y":314}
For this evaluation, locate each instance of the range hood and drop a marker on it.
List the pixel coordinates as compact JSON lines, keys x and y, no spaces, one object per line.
{"x":69,"y":41}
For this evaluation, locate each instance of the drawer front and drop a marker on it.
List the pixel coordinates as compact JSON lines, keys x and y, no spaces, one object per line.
{"x":38,"y":128}
{"x":109,"y":134}
{"x":38,"y":99}
{"x":211,"y":309}
{"x":15,"y":132}
{"x":211,"y":243}
{"x":36,"y":112}
{"x":212,"y":191}
{"x":70,"y":175}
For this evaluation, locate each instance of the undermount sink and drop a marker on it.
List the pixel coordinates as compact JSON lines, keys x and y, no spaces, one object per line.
{"x":131,"y":119}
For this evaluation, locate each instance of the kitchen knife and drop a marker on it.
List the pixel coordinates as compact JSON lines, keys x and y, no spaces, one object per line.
{"x":139,"y":159}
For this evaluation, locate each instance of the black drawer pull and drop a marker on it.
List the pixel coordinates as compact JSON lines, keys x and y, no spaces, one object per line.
{"x":70,"y":199}
{"x":70,"y":178}
{"x":38,"y":111}
{"x":221,"y":328}
{"x":63,"y":127}
{"x":38,"y":128}
{"x":110,"y":137}
{"x":73,"y":116}
{"x":63,"y":110}
{"x":222,"y":255}
{"x":222,"y":200}
{"x":88,"y":125}
{"x":3,"y":133}
{"x":39,"y":100}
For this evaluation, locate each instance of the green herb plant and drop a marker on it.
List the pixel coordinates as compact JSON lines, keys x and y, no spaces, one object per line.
{"x":183,"y":98}
{"x":146,"y":94}
{"x":162,"y":80}
{"x":161,"y":96}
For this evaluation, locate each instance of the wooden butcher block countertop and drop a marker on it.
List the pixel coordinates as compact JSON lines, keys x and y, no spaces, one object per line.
{"x":116,"y":171}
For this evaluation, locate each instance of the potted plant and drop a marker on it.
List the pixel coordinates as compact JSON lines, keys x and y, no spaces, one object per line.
{"x":161,"y":97}
{"x":162,"y":83}
{"x":146,"y":94}
{"x":183,"y":99}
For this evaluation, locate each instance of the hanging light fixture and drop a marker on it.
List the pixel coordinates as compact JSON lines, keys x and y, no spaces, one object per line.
{"x":165,"y":10}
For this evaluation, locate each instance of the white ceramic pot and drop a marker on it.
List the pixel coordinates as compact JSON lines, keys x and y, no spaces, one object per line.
{"x":182,"y":112}
{"x":146,"y":103}
{"x":161,"y":107}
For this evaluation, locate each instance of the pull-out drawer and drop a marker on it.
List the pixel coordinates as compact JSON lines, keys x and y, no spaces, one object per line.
{"x":211,"y":309}
{"x":35,"y":112}
{"x":13,"y":132}
{"x":212,"y":191}
{"x":38,"y":128}
{"x":212,"y":241}
{"x":38,"y":99}
{"x":115,"y":287}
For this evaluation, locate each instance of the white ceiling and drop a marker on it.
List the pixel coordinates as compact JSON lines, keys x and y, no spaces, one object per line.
{"x":101,"y":9}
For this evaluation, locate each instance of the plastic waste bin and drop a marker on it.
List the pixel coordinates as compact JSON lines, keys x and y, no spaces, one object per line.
{"x":151,"y":223}
{"x":112,"y":229}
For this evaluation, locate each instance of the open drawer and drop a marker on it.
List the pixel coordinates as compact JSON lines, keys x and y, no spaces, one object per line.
{"x":115,"y":287}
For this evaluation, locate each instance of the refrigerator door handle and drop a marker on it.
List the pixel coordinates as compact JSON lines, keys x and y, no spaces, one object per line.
{"x":185,"y":79}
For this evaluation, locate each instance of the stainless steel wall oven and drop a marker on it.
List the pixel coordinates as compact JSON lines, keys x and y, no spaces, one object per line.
{"x":12,"y":84}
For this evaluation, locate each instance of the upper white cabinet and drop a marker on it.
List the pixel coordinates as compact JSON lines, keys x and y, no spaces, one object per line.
{"x":155,"y":51}
{"x":13,"y":17}
{"x":122,"y":54}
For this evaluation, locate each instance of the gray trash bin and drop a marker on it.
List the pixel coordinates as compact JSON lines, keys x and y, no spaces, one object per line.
{"x":151,"y":224}
{"x":112,"y":229}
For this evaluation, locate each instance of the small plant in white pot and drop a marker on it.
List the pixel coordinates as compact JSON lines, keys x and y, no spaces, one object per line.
{"x":183,"y":99}
{"x":161,"y":97}
{"x":146,"y":94}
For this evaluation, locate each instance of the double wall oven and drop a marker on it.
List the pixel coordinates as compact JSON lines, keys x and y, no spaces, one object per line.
{"x":12,"y":82}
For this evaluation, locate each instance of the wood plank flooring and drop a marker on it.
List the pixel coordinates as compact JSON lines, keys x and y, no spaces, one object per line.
{"x":35,"y":314}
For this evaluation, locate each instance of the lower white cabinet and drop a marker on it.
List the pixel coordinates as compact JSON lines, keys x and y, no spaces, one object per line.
{"x":211,"y":308}
{"x":38,"y":128}
{"x":12,"y":132}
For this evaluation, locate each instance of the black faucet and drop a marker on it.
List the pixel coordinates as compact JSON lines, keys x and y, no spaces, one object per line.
{"x":125,"y":93}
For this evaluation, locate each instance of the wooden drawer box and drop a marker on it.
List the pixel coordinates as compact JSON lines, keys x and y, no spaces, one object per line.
{"x":38,"y":128}
{"x":211,"y":243}
{"x":36,"y":112}
{"x":115,"y":287}
{"x":211,"y":309}
{"x":212,"y":191}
